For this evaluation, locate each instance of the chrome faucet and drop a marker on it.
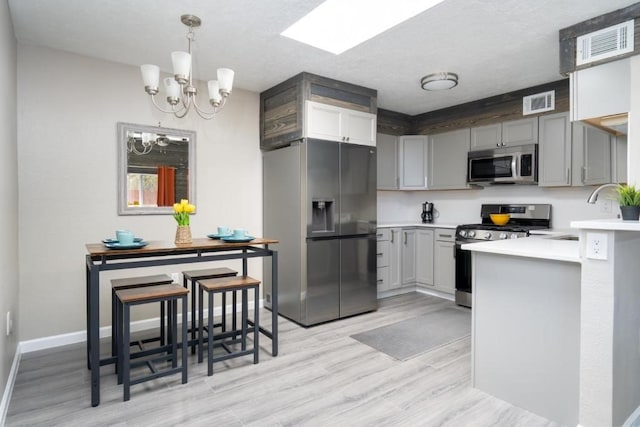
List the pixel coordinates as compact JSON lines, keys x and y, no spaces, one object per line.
{"x":594,"y":195}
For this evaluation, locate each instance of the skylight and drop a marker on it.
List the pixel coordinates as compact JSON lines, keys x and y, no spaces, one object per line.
{"x":338,"y":25}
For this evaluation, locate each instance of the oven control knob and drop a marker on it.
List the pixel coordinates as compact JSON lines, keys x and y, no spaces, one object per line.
{"x":514,"y":235}
{"x":463,"y":233}
{"x":487,"y":236}
{"x":471,"y":234}
{"x":503,"y":235}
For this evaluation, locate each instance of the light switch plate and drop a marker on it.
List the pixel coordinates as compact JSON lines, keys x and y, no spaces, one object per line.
{"x":596,"y":246}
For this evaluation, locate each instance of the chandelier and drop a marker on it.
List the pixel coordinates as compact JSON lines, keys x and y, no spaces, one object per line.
{"x":143,"y":142}
{"x":181,"y":94}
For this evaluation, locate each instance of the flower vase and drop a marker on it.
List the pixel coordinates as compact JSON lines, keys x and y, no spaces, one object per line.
{"x":183,"y":234}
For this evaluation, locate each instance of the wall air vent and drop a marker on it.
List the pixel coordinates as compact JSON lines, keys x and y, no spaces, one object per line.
{"x":605,"y":43}
{"x":538,"y":103}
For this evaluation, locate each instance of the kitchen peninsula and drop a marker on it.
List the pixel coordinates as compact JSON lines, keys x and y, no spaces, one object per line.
{"x":564,"y":340}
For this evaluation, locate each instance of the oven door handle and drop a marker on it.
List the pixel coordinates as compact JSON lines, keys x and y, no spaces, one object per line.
{"x":514,"y":165}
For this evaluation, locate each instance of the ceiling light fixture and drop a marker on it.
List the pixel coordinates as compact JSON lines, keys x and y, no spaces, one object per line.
{"x":439,"y":81}
{"x":181,"y":94}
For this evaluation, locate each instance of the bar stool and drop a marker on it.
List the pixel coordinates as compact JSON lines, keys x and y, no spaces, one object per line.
{"x":222,"y":285}
{"x":126,"y":298}
{"x":135,"y":282}
{"x":210,"y":273}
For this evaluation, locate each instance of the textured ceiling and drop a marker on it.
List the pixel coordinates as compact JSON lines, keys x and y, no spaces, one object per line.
{"x":495,"y":46}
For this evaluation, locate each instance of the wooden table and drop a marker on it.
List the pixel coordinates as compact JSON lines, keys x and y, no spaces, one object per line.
{"x":157,"y":253}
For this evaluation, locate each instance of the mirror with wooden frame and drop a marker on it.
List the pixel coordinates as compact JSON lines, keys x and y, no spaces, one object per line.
{"x":156,"y":168}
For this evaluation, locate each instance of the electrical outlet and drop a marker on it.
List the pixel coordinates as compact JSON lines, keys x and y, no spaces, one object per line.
{"x":9,"y":323}
{"x":175,"y":277}
{"x":596,"y":246}
{"x":606,"y":206}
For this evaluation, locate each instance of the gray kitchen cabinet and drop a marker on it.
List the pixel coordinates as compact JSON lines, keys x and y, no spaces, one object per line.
{"x":554,"y":151}
{"x":444,"y":273}
{"x":447,"y":160}
{"x":619,"y":159}
{"x":591,"y":155}
{"x":387,"y":158}
{"x":408,"y":245}
{"x":382,"y":259}
{"x":395,"y":258}
{"x":412,"y":151}
{"x":505,"y":134}
{"x":424,"y":257}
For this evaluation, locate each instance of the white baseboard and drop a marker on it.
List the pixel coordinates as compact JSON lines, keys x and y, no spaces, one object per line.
{"x":435,"y":293}
{"x":8,"y":389}
{"x":105,"y":331}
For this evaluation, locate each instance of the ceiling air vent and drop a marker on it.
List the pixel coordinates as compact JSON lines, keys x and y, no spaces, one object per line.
{"x":538,"y":103}
{"x":605,"y":43}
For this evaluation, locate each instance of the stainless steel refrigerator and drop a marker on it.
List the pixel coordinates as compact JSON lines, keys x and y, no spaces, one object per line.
{"x":320,"y":203}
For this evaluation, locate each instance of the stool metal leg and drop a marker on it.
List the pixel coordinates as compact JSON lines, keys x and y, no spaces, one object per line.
{"x":224,"y":312}
{"x":200,"y":323}
{"x":162,"y":324}
{"x":184,"y":339}
{"x":193,"y":313}
{"x":174,"y":332}
{"x":245,"y":313}
{"x":114,"y":316}
{"x":125,"y":351}
{"x":256,"y":325}
{"x":234,"y":324}
{"x":210,"y":336}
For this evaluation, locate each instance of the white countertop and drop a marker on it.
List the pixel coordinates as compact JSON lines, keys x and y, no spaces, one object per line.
{"x":416,"y":224}
{"x":531,"y":247}
{"x":607,"y":224}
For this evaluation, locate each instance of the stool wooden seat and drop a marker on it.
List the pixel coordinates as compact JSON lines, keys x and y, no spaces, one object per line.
{"x":126,"y":298}
{"x":208,"y":273}
{"x":135,"y":282}
{"x":222,"y":285}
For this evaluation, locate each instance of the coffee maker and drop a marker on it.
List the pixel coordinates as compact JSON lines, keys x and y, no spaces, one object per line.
{"x":427,"y":212}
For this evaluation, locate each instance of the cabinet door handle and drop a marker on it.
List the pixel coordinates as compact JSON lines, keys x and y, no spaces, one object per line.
{"x":445,"y":235}
{"x":393,"y":233}
{"x":405,"y":237}
{"x":568,"y":176}
{"x":425,"y":182}
{"x":454,"y":251}
{"x":380,"y":280}
{"x":379,"y":235}
{"x":583,"y":173}
{"x":379,"y":254}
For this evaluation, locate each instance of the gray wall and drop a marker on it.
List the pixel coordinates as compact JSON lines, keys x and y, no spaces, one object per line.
{"x":69,"y":106}
{"x":8,"y":191}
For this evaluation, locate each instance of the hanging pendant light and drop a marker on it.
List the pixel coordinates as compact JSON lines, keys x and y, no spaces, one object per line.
{"x":181,"y":94}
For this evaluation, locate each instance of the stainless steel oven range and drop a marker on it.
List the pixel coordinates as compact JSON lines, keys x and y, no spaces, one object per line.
{"x":524,"y":217}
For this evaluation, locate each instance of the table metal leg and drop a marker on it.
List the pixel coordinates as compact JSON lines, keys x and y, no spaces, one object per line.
{"x":94,"y":333}
{"x":274,"y":303}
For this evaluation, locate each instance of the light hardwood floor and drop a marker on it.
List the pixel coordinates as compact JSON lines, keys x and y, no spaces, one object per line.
{"x":322,"y":377}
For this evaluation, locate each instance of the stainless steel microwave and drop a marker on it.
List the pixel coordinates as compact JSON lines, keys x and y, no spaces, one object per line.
{"x":507,"y":165}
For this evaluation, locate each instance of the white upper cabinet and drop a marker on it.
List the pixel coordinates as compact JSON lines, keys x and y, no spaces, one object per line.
{"x":554,"y":151}
{"x":505,"y":134}
{"x":412,"y":153}
{"x":447,"y":155}
{"x":601,"y":90}
{"x":387,"y":158}
{"x":333,"y":123}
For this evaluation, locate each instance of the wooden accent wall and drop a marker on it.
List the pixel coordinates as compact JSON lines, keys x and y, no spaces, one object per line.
{"x":393,"y":123}
{"x":568,"y":36}
{"x":485,"y":111}
{"x":282,"y":106}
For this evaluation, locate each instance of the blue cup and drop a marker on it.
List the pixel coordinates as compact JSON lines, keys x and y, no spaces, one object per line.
{"x":223,"y":231}
{"x":239,"y":233}
{"x":125,"y":237}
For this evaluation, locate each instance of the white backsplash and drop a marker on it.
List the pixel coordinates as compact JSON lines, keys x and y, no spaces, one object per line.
{"x":463,"y":206}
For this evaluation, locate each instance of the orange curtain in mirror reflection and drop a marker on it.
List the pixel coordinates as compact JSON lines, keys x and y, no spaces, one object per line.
{"x":166,"y":186}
